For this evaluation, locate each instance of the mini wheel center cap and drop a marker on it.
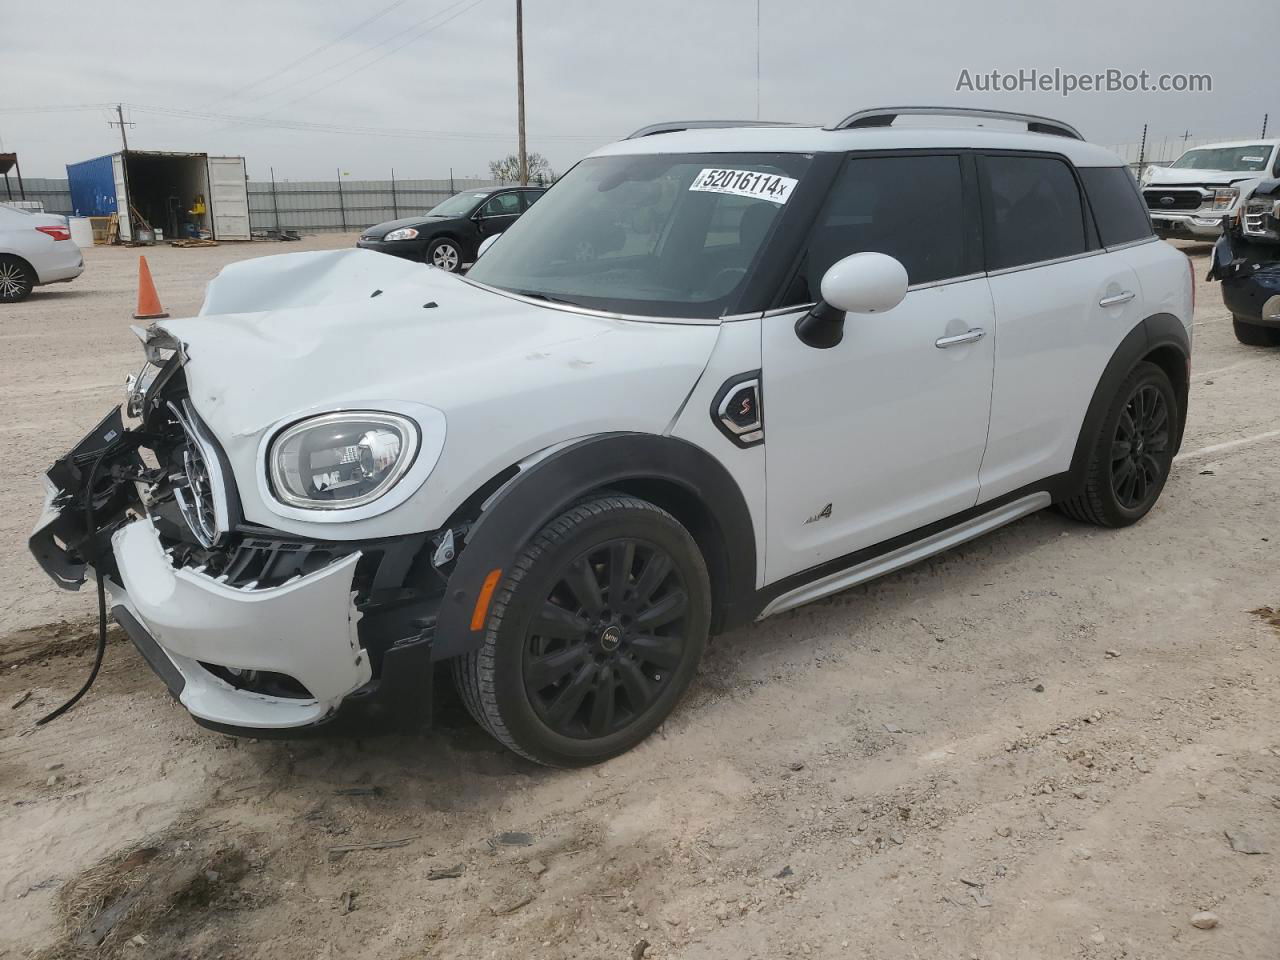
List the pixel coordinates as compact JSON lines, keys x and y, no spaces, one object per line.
{"x":610,"y":637}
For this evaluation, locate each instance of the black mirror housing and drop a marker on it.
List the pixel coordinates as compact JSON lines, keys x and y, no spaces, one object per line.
{"x":822,"y":327}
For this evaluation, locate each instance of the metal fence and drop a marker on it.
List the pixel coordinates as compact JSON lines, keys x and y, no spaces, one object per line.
{"x":326,"y":206}
{"x":54,"y":194}
{"x":307,"y":206}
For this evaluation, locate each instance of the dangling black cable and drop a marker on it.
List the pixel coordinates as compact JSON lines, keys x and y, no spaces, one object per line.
{"x":102,"y":601}
{"x":97,"y":660}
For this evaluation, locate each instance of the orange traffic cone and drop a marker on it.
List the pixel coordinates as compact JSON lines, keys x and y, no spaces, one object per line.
{"x":148,"y":300}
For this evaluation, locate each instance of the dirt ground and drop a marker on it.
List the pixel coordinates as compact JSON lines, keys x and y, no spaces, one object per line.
{"x":1052,"y":742}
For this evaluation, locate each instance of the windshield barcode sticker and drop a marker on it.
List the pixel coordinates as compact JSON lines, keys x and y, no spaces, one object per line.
{"x":745,"y":183}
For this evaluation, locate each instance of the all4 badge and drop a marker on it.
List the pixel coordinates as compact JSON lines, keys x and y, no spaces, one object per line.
{"x":823,"y":514}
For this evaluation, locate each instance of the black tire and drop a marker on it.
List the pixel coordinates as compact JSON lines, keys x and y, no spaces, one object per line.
{"x":1130,"y":458}
{"x":1254,"y":335}
{"x":17,"y":279}
{"x":445,"y":253}
{"x":587,"y":689}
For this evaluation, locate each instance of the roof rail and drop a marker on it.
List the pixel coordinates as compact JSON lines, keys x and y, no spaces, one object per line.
{"x":675,"y":126}
{"x":884,"y":117}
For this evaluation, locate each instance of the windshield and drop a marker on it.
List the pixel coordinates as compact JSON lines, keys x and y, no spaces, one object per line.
{"x":459,"y":205}
{"x":669,"y":235}
{"x":1253,"y":157}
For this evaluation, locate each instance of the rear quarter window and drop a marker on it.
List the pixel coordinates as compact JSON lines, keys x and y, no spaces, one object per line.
{"x":1033,"y":211}
{"x":1117,"y":206}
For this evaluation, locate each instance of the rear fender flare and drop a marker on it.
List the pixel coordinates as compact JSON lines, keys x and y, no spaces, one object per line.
{"x":1161,"y":335}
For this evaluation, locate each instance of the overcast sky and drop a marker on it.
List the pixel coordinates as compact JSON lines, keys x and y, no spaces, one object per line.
{"x":595,"y":70}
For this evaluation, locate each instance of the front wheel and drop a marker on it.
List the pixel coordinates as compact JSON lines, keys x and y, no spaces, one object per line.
{"x":1130,"y":459}
{"x":445,"y":254}
{"x":593,"y":635}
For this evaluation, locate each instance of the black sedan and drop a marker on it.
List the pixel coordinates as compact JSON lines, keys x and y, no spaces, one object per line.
{"x":449,"y":234}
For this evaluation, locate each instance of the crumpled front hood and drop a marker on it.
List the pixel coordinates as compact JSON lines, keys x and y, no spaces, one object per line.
{"x":280,"y":338}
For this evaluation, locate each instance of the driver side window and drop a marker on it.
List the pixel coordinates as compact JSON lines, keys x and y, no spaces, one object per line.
{"x":909,"y":207}
{"x":503,"y":205}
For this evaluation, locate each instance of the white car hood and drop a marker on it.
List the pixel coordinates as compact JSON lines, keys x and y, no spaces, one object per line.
{"x":279,"y":338}
{"x":1168,"y":177}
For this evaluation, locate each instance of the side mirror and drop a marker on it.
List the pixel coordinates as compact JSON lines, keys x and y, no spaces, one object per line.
{"x":486,"y":243}
{"x":860,"y":283}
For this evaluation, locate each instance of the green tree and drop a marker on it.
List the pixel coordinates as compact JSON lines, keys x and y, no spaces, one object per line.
{"x":508,"y":169}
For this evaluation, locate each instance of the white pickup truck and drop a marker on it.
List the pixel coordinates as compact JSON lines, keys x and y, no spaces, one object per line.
{"x":1188,"y":199}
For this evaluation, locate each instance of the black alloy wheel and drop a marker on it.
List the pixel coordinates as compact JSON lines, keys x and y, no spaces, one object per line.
{"x":1139,"y":463}
{"x":593,"y":634}
{"x":608,"y":639}
{"x":1131,"y":454}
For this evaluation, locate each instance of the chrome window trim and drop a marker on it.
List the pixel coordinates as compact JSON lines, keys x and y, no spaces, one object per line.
{"x":1046,"y":263}
{"x":945,"y":282}
{"x":1132,"y":243}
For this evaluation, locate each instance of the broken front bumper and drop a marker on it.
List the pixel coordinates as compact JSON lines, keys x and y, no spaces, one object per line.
{"x":281,"y":634}
{"x":213,"y":633}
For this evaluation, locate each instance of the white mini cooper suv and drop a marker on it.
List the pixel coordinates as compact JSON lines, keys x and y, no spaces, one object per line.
{"x":718,"y":371}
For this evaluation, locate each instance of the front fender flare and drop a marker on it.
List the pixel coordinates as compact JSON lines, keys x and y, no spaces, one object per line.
{"x":536,"y":495}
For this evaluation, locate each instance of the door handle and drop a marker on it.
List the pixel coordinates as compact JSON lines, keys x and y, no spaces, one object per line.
{"x":969,"y":336}
{"x":1117,"y":299}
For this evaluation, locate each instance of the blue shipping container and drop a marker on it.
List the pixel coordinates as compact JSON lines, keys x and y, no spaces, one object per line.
{"x":93,"y":187}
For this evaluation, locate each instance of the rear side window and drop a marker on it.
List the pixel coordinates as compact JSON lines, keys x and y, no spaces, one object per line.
{"x":1117,"y":206}
{"x":1032,"y":211}
{"x":911,"y":208}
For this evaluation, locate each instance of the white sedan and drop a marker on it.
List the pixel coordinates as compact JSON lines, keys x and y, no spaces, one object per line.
{"x":35,"y":249}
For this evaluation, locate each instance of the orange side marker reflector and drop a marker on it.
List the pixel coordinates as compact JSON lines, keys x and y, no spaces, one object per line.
{"x":481,"y":611}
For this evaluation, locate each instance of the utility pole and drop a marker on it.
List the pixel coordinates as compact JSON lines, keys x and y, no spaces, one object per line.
{"x":275,"y":204}
{"x":524,"y":156}
{"x":120,"y":122}
{"x":1185,"y":137}
{"x":757,"y":59}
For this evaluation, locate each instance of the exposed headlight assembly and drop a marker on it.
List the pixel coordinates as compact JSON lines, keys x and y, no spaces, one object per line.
{"x":342,"y":460}
{"x":404,"y":233}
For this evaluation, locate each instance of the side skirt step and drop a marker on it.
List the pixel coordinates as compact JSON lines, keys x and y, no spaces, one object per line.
{"x":906,"y":555}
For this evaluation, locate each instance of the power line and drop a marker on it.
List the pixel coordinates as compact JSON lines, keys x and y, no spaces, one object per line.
{"x":309,"y":77}
{"x":469,"y":5}
{"x":307,"y":56}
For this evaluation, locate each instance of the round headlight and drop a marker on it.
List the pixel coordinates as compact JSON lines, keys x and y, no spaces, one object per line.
{"x":342,"y":460}
{"x":404,"y":233}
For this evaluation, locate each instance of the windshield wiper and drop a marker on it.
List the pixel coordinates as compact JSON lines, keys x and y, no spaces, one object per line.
{"x":538,"y":295}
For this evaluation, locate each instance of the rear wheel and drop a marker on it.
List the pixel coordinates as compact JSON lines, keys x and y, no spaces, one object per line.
{"x":1254,"y":335}
{"x":593,"y":636}
{"x":17,"y":279}
{"x":445,"y":254}
{"x":1132,"y":454}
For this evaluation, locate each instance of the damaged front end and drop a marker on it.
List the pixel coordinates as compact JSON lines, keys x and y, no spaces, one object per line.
{"x":252,"y":629}
{"x":1246,"y":260}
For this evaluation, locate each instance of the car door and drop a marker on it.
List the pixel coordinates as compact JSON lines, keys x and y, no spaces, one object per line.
{"x":1062,"y":303}
{"x":497,"y":213}
{"x":884,"y":433}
